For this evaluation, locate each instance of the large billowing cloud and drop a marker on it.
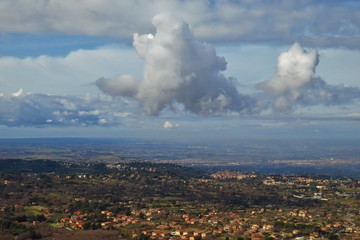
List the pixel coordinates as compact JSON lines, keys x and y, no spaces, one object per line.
{"x":317,"y":23}
{"x":295,"y":83}
{"x":178,"y":69}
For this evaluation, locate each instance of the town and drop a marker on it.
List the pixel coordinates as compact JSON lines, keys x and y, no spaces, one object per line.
{"x":143,"y":200}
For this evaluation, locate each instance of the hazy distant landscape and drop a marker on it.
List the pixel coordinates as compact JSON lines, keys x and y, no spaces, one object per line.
{"x":329,"y":157}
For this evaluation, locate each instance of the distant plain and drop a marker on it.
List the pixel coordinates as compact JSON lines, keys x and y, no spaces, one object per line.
{"x":288,"y":156}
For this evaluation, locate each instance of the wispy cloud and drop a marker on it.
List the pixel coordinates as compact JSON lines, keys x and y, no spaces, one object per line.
{"x":69,"y":74}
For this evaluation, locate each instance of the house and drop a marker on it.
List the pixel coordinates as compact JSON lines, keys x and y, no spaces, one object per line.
{"x":77,"y":213}
{"x":255,"y":227}
{"x":176,"y":233}
{"x":218,"y":231}
{"x":302,"y":213}
{"x":105,"y":225}
{"x":77,"y":224}
{"x":157,"y":234}
{"x":65,"y":220}
{"x":267,"y":227}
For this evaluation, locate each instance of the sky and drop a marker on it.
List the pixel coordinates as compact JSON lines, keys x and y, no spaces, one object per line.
{"x":180,"y":69}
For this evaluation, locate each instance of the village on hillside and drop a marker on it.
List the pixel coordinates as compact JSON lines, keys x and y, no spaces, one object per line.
{"x":165,"y":201}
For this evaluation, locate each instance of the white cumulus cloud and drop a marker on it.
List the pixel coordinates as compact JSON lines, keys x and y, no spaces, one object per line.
{"x":295,"y":70}
{"x":178,"y":69}
{"x":295,"y":83}
{"x":168,"y":125}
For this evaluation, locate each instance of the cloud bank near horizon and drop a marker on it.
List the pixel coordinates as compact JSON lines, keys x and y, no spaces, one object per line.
{"x":21,"y":109}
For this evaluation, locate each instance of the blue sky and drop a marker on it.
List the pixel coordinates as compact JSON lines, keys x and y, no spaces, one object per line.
{"x":231,"y":71}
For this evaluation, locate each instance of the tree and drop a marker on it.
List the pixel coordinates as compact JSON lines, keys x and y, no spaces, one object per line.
{"x":142,"y":237}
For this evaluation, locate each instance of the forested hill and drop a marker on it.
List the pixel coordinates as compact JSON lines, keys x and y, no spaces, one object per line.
{"x":48,"y":166}
{"x":60,"y":167}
